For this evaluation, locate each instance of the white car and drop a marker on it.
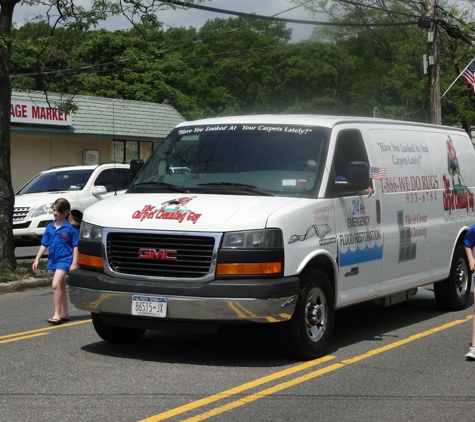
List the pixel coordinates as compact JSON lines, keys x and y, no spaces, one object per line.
{"x":80,"y":185}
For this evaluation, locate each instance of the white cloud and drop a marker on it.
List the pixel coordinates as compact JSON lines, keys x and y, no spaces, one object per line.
{"x":196,"y":17}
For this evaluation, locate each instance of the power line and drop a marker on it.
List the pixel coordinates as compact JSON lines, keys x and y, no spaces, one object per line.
{"x":241,"y":14}
{"x":298,"y":21}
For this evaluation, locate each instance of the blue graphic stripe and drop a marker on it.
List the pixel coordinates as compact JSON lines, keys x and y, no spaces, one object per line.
{"x":356,"y":257}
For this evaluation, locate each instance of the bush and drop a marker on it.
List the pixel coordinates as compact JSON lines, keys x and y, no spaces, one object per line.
{"x":24,"y":271}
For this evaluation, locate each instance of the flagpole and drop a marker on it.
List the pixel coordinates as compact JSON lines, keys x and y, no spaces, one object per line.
{"x":456,"y":79}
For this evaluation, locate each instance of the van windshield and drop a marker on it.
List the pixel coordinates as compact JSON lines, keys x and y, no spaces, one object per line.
{"x":238,"y":159}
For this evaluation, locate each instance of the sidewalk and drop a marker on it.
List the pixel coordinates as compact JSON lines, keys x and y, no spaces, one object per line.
{"x":19,"y":285}
{"x":31,"y":282}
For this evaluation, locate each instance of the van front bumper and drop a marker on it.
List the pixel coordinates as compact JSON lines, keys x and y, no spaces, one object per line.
{"x":220,"y":301}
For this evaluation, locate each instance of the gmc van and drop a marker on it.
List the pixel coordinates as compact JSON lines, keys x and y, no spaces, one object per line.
{"x":279,"y":219}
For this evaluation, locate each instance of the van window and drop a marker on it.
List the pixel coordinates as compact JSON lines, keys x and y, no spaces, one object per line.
{"x":280,"y":160}
{"x":349,"y":148}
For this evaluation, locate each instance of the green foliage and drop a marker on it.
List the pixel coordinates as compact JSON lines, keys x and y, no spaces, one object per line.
{"x":243,"y":65}
{"x":23,"y":271}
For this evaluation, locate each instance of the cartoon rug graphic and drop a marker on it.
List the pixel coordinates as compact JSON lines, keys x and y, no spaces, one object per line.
{"x":177,"y":204}
{"x":458,"y":196}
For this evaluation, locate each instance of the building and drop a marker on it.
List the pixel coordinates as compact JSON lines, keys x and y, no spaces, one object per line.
{"x":101,"y":130}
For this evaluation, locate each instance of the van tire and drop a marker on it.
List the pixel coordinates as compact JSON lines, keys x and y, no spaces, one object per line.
{"x":453,"y":293}
{"x":308,"y":333}
{"x":113,"y":334}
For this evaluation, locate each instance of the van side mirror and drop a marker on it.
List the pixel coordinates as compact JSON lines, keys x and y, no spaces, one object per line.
{"x":357,"y":177}
{"x":135,"y":165}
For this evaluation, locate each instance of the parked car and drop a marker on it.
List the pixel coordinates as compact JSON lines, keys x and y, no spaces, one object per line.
{"x":80,"y":185}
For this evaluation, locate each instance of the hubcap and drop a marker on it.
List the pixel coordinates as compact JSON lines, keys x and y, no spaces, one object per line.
{"x":316,"y":314}
{"x":461,"y":281}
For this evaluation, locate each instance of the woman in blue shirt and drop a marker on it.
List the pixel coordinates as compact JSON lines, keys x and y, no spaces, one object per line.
{"x":61,"y":237}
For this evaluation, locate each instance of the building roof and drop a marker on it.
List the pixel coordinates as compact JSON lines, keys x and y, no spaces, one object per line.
{"x":106,"y":118}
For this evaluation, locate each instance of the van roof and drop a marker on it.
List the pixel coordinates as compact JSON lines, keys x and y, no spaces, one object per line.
{"x":307,"y":120}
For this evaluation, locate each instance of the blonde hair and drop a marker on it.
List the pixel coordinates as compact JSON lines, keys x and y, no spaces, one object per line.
{"x":62,"y":205}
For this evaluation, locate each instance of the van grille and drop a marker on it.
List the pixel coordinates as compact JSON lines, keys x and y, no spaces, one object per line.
{"x":194,"y":254}
{"x":20,"y":213}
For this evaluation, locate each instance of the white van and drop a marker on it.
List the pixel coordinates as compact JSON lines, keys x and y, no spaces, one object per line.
{"x":279,"y":219}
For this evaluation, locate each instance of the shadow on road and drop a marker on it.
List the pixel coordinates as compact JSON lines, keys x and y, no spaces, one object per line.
{"x":258,"y":345}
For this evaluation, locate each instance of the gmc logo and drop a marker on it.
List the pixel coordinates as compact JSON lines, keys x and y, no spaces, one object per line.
{"x":163,"y":254}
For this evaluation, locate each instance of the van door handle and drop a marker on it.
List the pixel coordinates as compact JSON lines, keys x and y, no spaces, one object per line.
{"x":378,"y":211}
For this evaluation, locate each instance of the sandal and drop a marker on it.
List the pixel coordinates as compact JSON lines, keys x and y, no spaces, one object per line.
{"x":55,"y":321}
{"x":65,"y":319}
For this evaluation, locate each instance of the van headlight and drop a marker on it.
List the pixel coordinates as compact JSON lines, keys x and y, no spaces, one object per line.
{"x":90,"y":232}
{"x":43,"y":209}
{"x":252,"y":253}
{"x":254,"y":239}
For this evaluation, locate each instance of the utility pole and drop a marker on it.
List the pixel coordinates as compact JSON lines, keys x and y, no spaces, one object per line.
{"x":434,"y":69}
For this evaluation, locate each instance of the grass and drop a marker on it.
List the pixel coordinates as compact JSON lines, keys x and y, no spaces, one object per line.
{"x":24,"y":271}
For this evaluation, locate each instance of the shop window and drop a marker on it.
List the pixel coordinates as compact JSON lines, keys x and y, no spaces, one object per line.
{"x":145,"y":150}
{"x":118,"y":151}
{"x":124,"y":151}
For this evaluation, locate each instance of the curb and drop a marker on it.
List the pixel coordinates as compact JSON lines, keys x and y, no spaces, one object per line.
{"x":19,"y":285}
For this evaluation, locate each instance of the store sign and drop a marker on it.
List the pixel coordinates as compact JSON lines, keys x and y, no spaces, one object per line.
{"x":40,"y":113}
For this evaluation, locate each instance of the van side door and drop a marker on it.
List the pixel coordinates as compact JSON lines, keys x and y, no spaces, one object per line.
{"x":358,"y":222}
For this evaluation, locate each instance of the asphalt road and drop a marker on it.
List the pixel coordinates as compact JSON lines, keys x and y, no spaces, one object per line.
{"x":405,"y":362}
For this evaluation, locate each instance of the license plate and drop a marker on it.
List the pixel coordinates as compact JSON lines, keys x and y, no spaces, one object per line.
{"x":151,"y":306}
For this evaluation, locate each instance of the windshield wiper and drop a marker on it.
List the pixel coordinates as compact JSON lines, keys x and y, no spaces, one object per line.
{"x":168,"y":186}
{"x":246,"y":188}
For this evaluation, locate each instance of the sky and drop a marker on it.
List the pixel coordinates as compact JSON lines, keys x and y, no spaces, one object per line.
{"x":196,"y":18}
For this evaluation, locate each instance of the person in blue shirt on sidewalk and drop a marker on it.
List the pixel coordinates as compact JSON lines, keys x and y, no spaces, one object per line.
{"x":61,"y":237}
{"x":469,"y":244}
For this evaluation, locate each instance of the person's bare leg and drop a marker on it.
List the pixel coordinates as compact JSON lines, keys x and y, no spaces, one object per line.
{"x":58,"y":282}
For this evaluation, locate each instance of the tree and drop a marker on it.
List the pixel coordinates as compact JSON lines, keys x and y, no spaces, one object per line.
{"x":222,"y":68}
{"x":59,"y":14}
{"x":392,"y":55}
{"x":7,"y":197}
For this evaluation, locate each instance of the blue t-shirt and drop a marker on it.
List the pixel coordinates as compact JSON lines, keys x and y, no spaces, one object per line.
{"x":469,"y":239}
{"x":61,"y":243}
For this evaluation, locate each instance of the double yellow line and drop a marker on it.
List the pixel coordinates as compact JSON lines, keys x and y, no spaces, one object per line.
{"x":37,"y":333}
{"x":286,"y":384}
{"x":252,"y":384}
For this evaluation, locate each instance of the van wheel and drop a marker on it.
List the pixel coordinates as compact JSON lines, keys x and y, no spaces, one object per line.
{"x":308,"y":333}
{"x":453,"y":293}
{"x":114,"y":334}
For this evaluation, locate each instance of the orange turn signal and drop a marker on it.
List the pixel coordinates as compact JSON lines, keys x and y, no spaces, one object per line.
{"x":260,"y":268}
{"x":90,"y":260}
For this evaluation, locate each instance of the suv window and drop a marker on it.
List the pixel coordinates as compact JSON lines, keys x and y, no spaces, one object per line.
{"x":106,"y":178}
{"x":122,"y":178}
{"x":57,"y":181}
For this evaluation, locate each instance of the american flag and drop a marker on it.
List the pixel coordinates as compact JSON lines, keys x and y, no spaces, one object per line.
{"x":468,"y":75}
{"x":378,"y":173}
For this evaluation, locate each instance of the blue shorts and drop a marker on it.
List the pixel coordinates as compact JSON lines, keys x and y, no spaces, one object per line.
{"x":51,"y":272}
